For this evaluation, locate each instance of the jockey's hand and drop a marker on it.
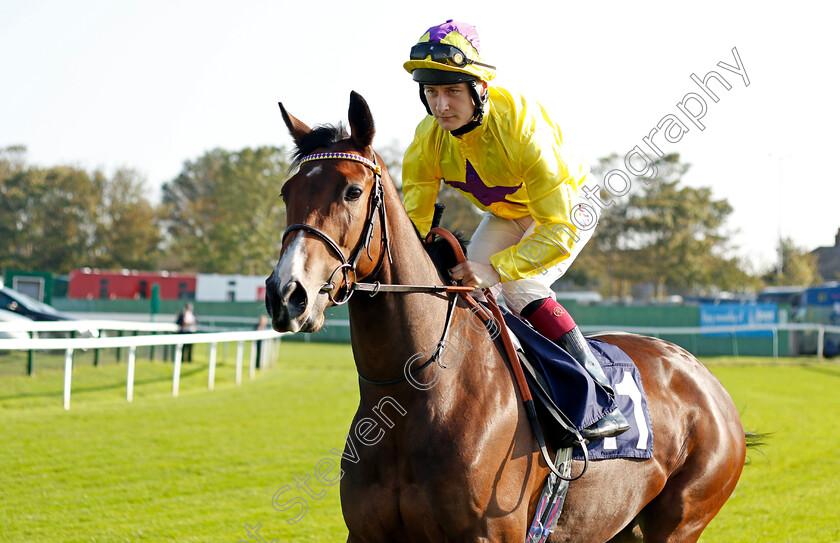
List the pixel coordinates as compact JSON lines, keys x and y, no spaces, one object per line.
{"x":473,"y":274}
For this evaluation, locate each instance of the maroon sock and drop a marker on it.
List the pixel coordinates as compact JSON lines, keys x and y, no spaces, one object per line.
{"x":551,"y":319}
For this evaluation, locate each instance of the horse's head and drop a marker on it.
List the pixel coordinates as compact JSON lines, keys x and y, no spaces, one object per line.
{"x":335,"y":216}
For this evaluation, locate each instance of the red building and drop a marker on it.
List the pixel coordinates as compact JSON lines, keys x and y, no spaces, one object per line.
{"x":104,"y":284}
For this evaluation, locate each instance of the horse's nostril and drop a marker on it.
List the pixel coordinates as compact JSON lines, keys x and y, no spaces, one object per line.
{"x":293,"y":295}
{"x":287,"y":290}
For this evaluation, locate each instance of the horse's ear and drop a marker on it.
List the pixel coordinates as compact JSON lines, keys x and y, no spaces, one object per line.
{"x":296,"y":128}
{"x":361,"y":121}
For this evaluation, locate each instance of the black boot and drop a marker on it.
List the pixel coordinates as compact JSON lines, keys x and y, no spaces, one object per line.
{"x":613,"y":423}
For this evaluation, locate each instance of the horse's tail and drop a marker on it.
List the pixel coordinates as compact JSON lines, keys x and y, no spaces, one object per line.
{"x":755,"y":440}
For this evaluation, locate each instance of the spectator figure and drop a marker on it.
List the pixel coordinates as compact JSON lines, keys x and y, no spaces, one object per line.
{"x":188,"y":324}
{"x":261,"y":325}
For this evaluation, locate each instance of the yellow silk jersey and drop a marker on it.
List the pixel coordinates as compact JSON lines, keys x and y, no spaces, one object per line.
{"x":514,"y":164}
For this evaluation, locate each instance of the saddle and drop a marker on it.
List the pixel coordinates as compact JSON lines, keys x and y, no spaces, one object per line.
{"x":557,"y":426}
{"x":557,"y":403}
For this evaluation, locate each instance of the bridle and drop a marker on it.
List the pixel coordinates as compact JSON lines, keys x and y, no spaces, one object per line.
{"x":376,"y":203}
{"x":349,"y":265}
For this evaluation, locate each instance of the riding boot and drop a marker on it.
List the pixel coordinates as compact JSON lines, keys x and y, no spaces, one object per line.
{"x":551,"y":320}
{"x":613,"y":423}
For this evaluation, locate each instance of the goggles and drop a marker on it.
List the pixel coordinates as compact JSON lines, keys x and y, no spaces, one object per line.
{"x":444,"y":53}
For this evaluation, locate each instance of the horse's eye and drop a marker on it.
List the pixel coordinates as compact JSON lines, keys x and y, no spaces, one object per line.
{"x":353,"y":193}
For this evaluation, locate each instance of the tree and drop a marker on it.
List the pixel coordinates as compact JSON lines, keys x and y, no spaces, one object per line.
{"x":47,"y":218}
{"x":681,"y":229}
{"x":608,"y":259}
{"x":222,"y":214}
{"x":13,"y":200}
{"x":727,"y":274}
{"x":796,"y":267}
{"x":127,"y":231}
{"x":660,"y":231}
{"x":12,"y":160}
{"x":59,"y":218}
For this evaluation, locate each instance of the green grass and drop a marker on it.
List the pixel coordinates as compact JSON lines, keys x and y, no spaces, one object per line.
{"x":201,"y":466}
{"x":193,"y":468}
{"x":789,"y":491}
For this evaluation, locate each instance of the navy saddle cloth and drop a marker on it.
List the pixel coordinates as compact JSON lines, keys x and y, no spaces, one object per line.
{"x":581,"y":400}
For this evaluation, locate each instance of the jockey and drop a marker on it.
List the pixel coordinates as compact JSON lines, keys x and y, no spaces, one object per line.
{"x":507,"y":157}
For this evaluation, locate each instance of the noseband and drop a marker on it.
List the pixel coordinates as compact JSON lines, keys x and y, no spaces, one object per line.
{"x":376,"y":203}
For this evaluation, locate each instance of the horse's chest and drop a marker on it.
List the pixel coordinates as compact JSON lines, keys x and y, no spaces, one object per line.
{"x":433,"y":507}
{"x":438,"y":491}
{"x":447,"y":469}
{"x":403,"y":485}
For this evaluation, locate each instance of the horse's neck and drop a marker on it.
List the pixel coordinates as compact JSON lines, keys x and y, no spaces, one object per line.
{"x":390,"y":328}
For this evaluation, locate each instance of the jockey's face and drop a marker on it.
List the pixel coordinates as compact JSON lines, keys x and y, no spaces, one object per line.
{"x":452,"y":105}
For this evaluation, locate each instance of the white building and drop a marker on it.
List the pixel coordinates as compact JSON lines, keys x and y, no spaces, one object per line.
{"x":229,"y":288}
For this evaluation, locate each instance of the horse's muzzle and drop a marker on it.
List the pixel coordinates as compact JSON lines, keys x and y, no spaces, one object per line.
{"x":286,"y":304}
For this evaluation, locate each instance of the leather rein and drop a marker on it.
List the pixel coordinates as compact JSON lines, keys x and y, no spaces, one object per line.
{"x":348,"y":266}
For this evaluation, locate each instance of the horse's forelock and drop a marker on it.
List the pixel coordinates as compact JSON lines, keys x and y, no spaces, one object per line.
{"x":322,"y":135}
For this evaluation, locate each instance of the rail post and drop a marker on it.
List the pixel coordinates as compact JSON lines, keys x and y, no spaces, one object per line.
{"x":176,"y":371}
{"x":240,"y":348}
{"x":129,"y":380}
{"x":68,"y":376}
{"x":211,"y":371}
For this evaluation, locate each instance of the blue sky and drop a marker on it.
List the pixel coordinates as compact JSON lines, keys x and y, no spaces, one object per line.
{"x":151,"y":84}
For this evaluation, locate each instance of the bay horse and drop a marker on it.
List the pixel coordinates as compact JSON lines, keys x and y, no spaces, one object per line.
{"x":456,"y":460}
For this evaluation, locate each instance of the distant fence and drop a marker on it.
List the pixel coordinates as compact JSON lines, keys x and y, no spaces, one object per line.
{"x":272,"y":339}
{"x":693,"y":332}
{"x":734,"y":340}
{"x":85,"y":328}
{"x":86,"y":325}
{"x":782,"y":339}
{"x":269,"y":338}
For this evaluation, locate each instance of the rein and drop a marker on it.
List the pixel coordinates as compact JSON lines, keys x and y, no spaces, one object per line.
{"x":348,"y":266}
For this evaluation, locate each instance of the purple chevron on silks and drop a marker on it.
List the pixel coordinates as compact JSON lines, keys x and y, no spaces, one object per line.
{"x":484,"y":194}
{"x":437,"y":33}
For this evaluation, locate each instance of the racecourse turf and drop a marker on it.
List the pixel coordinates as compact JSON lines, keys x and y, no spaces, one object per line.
{"x":202,"y":466}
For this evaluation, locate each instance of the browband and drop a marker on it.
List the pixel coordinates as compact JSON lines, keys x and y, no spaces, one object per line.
{"x":344,"y":156}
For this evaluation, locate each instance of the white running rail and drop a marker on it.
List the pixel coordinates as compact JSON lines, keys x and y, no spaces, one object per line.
{"x":268,"y":353}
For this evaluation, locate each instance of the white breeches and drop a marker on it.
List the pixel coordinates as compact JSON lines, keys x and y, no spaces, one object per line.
{"x":495,"y":234}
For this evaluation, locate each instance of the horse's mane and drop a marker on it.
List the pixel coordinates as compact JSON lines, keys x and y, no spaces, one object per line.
{"x":441,"y":253}
{"x":322,"y":135}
